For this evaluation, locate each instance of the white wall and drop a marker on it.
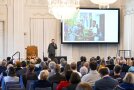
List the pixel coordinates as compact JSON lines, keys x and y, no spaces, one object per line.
{"x":28,"y":22}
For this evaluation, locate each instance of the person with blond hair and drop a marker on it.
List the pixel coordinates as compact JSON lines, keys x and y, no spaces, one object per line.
{"x":131,"y":69}
{"x":43,"y":82}
{"x":128,"y":82}
{"x":84,"y":86}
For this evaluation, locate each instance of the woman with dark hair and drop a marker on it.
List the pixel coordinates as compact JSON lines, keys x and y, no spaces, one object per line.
{"x":11,"y":76}
{"x":67,"y":68}
{"x":74,"y":80}
{"x":30,"y":75}
{"x":66,"y":83}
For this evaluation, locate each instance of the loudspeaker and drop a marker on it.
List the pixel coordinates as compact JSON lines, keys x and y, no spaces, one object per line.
{"x":59,"y":57}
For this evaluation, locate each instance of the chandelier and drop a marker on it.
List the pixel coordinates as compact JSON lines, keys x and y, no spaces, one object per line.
{"x":63,"y":9}
{"x":103,"y":3}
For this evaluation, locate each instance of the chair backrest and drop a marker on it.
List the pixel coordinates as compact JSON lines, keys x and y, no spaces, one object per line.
{"x":29,"y":85}
{"x":54,"y":86}
{"x":47,"y":88}
{"x":16,"y":89}
{"x":12,"y":86}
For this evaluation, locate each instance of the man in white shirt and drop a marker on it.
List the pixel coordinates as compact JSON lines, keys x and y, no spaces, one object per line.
{"x":93,"y":74}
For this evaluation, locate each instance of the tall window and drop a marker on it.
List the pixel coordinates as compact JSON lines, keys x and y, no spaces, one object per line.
{"x":1,"y":40}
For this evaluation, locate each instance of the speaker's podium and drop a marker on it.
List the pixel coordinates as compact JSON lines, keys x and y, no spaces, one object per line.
{"x":59,"y":57}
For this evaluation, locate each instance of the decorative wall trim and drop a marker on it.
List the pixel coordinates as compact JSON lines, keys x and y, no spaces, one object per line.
{"x":129,"y":11}
{"x":36,"y":3}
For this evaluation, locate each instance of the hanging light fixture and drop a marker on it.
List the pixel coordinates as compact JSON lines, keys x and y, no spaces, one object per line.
{"x":63,"y":9}
{"x":103,"y":3}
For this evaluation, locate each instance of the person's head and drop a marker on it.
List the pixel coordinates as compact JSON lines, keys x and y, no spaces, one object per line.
{"x":75,"y":78}
{"x":9,"y":65}
{"x":11,"y":72}
{"x":38,"y":61}
{"x":68,"y":75}
{"x":63,"y":62}
{"x":93,"y":65}
{"x":18,"y":64}
{"x":53,"y":40}
{"x":52,"y":65}
{"x":67,"y":68}
{"x":83,"y":70}
{"x":104,"y":71}
{"x":31,"y":67}
{"x":57,"y":68}
{"x":117,"y":69}
{"x":84,"y":86}
{"x":73,"y":66}
{"x":98,"y":58}
{"x":94,"y":23}
{"x":123,"y":61}
{"x":3,"y":63}
{"x":81,"y":58}
{"x":45,"y":59}
{"x":44,"y":75}
{"x":86,"y":64}
{"x":43,"y":65}
{"x":111,"y":61}
{"x":103,"y":62}
{"x":23,"y":64}
{"x":129,"y":78}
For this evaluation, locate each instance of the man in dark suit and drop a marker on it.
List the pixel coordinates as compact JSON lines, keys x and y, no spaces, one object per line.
{"x":51,"y":49}
{"x":106,"y":83}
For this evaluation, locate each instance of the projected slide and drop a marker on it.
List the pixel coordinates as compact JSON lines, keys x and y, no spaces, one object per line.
{"x":91,"y":26}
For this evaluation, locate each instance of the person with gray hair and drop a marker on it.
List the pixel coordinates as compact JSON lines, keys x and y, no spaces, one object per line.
{"x":51,"y":66}
{"x":63,"y":63}
{"x":83,"y":70}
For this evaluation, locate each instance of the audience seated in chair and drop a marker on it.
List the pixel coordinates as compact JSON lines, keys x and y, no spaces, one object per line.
{"x":106,"y":83}
{"x":93,"y":74}
{"x":30,"y":75}
{"x":66,"y":83}
{"x":67,"y":68}
{"x":74,"y":80}
{"x":11,"y":76}
{"x":81,"y":62}
{"x":63,"y":63}
{"x":128,"y":82}
{"x":83,"y":70}
{"x":43,"y":82}
{"x":131,"y":69}
{"x":74,"y":68}
{"x":117,"y":73}
{"x":111,"y":64}
{"x":3,"y":66}
{"x":18,"y":68}
{"x":51,"y":65}
{"x":57,"y":77}
{"x":124,"y":65}
{"x":83,"y":86}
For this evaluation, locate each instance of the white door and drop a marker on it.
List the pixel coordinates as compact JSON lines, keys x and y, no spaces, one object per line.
{"x":1,"y":40}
